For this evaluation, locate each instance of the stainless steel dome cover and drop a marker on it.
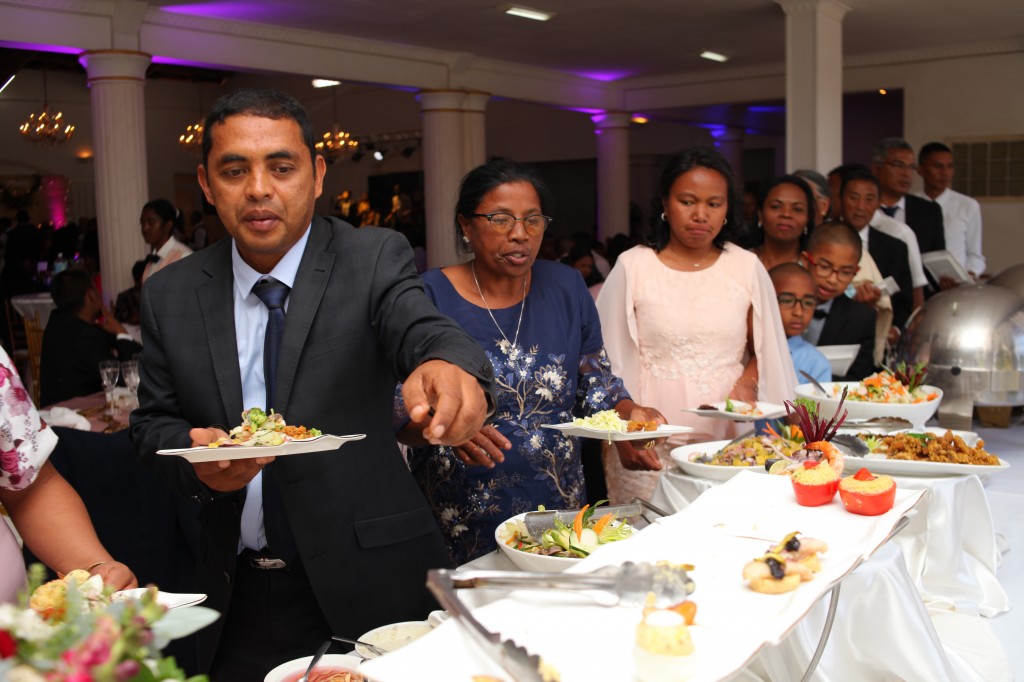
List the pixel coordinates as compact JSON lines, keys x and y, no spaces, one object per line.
{"x":1011,"y":278}
{"x":972,"y":339}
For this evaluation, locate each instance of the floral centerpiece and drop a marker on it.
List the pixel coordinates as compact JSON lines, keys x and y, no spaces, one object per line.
{"x":75,"y":630}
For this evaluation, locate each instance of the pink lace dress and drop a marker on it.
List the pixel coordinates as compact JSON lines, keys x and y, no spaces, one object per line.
{"x":25,"y":444}
{"x":678,"y":339}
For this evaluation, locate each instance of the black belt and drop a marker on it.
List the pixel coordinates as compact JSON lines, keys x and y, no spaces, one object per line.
{"x":265,"y":560}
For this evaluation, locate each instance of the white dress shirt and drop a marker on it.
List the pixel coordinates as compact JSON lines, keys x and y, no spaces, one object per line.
{"x":251,"y":317}
{"x":901,"y":211}
{"x":171,"y":251}
{"x":961,"y":218}
{"x":902,"y":231}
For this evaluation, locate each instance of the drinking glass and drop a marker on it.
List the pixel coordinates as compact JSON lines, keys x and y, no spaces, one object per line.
{"x":130,"y":374}
{"x":109,"y":371}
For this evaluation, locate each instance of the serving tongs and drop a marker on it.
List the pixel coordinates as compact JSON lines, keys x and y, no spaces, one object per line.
{"x":515,"y":660}
{"x":628,"y":584}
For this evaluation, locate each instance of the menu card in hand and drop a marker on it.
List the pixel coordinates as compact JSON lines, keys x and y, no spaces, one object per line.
{"x":944,"y":264}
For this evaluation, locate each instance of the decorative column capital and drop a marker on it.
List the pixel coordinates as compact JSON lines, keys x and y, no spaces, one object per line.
{"x":832,"y":9}
{"x":611,"y":119}
{"x":115,"y":65}
{"x":475,"y":102}
{"x":441,"y":100}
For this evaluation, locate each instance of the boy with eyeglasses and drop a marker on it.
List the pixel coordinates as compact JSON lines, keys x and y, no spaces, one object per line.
{"x":794,"y":290}
{"x":832,"y":257}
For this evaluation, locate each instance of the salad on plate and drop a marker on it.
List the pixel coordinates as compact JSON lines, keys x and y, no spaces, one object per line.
{"x":259,"y":429}
{"x":899,"y":386}
{"x":576,"y":542}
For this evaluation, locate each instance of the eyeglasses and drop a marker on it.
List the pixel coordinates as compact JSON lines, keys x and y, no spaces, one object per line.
{"x":504,"y":222}
{"x":790,"y":301}
{"x":900,"y":166}
{"x":826,"y":270}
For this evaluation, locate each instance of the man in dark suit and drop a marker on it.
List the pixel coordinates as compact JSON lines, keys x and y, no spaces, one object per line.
{"x":301,"y":547}
{"x":832,"y":257}
{"x":859,"y":199}
{"x":894,"y":166}
{"x":80,"y":334}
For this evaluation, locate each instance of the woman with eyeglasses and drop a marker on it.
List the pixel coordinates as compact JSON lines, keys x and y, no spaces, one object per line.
{"x":690,"y":318}
{"x":786,"y":214}
{"x":540,"y":329}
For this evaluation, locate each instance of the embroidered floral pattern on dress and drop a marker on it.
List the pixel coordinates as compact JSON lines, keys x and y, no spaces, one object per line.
{"x":22,"y":451}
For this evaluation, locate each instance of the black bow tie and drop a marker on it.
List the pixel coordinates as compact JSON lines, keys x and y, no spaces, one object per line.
{"x":152,"y":258}
{"x":820,"y":314}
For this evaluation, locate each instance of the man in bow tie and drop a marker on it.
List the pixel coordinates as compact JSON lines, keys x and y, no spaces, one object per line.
{"x":318,"y":321}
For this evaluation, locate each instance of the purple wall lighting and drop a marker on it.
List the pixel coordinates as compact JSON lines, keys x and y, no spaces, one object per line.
{"x":242,"y":11}
{"x":604,"y":76}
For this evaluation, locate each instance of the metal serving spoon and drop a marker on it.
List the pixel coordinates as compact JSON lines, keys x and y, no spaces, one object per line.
{"x":316,"y":659}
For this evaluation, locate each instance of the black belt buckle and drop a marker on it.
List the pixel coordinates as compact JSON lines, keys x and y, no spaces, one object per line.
{"x":267,"y":563}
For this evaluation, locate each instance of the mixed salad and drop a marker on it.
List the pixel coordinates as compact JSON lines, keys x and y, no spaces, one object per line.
{"x":263,"y":430}
{"x":756,"y":450}
{"x":576,"y":542}
{"x":901,"y":386}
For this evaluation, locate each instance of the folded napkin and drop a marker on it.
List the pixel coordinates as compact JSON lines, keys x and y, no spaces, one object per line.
{"x":63,"y":416}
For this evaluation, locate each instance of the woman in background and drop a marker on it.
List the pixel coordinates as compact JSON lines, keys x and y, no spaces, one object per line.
{"x":786,"y":214}
{"x":691,"y":318}
{"x":158,"y":220}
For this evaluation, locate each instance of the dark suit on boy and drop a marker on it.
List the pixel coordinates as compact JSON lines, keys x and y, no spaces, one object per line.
{"x":850,"y":322}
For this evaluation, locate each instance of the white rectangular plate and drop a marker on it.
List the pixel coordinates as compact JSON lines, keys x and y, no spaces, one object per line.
{"x":664,"y":431}
{"x":712,"y":472}
{"x":769,"y":411}
{"x":909,"y":467}
{"x":292,"y":447}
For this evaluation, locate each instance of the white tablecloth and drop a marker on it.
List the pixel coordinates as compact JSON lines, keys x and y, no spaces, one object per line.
{"x":38,"y":306}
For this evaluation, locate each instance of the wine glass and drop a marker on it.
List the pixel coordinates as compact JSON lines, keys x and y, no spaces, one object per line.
{"x":130,"y":374}
{"x":109,"y":371}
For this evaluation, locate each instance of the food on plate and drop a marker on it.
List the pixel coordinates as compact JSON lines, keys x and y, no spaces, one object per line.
{"x":784,"y":566}
{"x":866,"y":494}
{"x":664,"y":648}
{"x":740,"y":407}
{"x":900,"y":386}
{"x":327,"y":675}
{"x":929,"y":447}
{"x":577,"y":542}
{"x":633,"y":425}
{"x":814,"y":483}
{"x":817,"y":433}
{"x":755,"y":450}
{"x":605,"y":420}
{"x":261,"y":429}
{"x":50,"y":600}
{"x":706,"y":407}
{"x":687,"y":609}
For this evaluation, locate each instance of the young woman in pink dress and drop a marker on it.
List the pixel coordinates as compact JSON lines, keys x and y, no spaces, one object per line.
{"x":690,"y":319}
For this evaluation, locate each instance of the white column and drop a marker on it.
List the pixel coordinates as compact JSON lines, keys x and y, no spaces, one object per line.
{"x":116,"y":79}
{"x":444,"y":164}
{"x":612,"y":130}
{"x":814,"y":83}
{"x":475,"y":129}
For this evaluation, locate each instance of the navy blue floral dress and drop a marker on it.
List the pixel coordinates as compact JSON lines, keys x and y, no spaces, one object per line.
{"x":558,"y":370}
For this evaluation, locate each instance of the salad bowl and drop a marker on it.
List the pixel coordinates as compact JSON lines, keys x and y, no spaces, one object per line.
{"x":528,"y":561}
{"x":916,"y":413}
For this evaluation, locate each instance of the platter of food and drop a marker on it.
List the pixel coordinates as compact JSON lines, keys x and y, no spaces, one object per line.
{"x":388,"y":638}
{"x":607,"y":425}
{"x":890,"y":393}
{"x":562,"y":546}
{"x":263,"y":435}
{"x":739,"y":411}
{"x":692,"y":459}
{"x":932,"y":452}
{"x":331,"y":668}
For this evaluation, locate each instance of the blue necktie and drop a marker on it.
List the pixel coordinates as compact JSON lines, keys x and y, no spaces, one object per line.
{"x":275,"y":520}
{"x":890,"y":210}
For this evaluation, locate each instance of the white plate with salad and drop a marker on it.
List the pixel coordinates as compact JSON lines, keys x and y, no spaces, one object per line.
{"x":607,"y":425}
{"x":528,"y":553}
{"x":739,"y":411}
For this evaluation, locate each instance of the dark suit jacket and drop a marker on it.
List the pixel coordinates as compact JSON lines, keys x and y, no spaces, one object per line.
{"x":72,"y":352}
{"x":925,"y":219}
{"x":890,"y":255}
{"x":358,"y":321}
{"x":848,"y":322}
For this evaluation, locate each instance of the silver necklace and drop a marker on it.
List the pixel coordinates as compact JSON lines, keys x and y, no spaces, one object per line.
{"x":522,"y":306}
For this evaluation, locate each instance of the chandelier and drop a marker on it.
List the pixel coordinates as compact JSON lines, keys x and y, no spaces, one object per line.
{"x":46,"y":127}
{"x":336,"y":143}
{"x":191,"y":141}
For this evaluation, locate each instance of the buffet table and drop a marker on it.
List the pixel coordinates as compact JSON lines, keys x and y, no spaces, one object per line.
{"x":883,"y":630}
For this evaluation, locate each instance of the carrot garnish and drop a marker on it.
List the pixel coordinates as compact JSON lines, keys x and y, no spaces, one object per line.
{"x":602,"y":522}
{"x":577,"y":523}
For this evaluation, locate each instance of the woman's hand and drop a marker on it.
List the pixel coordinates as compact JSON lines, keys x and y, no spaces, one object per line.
{"x":744,"y":389}
{"x":115,"y":574}
{"x":639,"y":455}
{"x":483,"y":449}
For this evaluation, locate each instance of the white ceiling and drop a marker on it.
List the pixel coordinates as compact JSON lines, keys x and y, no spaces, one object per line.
{"x":626,"y":38}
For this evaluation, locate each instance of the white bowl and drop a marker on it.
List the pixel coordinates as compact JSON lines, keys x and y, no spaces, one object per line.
{"x":294,"y":669}
{"x":525,"y":561}
{"x":916,"y":413}
{"x":392,"y":637}
{"x":840,"y":357}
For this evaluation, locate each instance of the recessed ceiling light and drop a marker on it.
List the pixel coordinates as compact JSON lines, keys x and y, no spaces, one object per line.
{"x":714,"y":56}
{"x":527,"y":13}
{"x":637,"y":118}
{"x":324,"y":83}
{"x":882,"y":91}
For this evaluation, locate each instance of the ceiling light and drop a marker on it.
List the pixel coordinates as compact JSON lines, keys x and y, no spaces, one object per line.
{"x":881,"y":91}
{"x":714,"y":56}
{"x":324,"y":83}
{"x":527,"y":13}
{"x":378,"y":155}
{"x":639,"y":119}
